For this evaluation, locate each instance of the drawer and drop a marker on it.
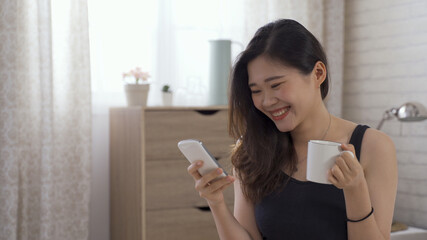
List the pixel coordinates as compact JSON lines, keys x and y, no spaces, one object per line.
{"x":168,"y":185}
{"x":164,"y":129}
{"x":188,"y":223}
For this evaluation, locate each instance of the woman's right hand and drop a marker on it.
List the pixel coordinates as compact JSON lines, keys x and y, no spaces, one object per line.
{"x":207,"y":188}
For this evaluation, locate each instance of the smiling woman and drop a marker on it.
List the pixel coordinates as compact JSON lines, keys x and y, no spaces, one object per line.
{"x":285,"y":69}
{"x":301,"y":61}
{"x":278,"y":87}
{"x":286,"y":81}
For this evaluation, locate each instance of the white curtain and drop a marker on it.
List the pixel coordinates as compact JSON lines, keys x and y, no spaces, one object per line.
{"x":45,"y":120}
{"x":324,"y":18}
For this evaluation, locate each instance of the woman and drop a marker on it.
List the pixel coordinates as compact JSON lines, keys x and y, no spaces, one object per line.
{"x":276,"y":106}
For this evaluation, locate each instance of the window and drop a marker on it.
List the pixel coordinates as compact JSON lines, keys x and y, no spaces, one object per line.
{"x":168,"y":38}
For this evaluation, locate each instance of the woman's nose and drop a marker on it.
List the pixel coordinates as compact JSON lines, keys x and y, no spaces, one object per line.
{"x":269,"y":99}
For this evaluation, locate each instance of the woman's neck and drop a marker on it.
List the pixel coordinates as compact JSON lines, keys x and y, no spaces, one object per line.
{"x":315,"y":127}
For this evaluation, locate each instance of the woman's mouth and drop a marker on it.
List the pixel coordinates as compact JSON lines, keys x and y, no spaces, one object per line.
{"x":280,"y":114}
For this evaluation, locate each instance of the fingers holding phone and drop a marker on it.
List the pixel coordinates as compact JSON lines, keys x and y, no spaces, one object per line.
{"x":211,"y":185}
{"x":210,"y":177}
{"x":193,"y":169}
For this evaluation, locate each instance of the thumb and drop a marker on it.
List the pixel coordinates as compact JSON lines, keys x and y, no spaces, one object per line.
{"x":348,"y":147}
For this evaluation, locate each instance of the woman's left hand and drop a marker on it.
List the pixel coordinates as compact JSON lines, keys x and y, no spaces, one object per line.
{"x":347,"y":171}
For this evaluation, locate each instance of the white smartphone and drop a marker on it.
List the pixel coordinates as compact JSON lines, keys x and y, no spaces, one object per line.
{"x":194,"y":150}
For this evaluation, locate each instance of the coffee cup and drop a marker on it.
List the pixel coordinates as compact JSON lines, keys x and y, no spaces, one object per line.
{"x":321,"y":157}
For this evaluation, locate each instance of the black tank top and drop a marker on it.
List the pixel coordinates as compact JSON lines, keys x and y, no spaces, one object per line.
{"x":306,"y":210}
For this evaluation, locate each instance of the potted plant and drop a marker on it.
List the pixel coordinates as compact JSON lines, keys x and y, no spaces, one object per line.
{"x":136,"y":89}
{"x":167,"y":95}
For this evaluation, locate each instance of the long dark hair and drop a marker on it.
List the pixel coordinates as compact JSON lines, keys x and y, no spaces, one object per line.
{"x":262,"y":151}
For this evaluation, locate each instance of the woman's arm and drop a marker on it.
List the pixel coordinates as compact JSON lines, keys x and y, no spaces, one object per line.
{"x":372,"y":183}
{"x":244,"y":211}
{"x":240,"y":226}
{"x":227,"y":225}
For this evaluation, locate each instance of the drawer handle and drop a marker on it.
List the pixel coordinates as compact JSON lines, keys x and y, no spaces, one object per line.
{"x":207,"y":112}
{"x":204,"y":209}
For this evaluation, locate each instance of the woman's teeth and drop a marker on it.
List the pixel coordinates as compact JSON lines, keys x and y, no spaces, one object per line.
{"x":281,"y":112}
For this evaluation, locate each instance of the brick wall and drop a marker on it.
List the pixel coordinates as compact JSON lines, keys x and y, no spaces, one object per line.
{"x":386,"y":66}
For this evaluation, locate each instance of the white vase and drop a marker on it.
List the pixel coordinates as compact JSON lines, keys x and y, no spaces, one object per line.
{"x":137,"y":94}
{"x":167,"y":98}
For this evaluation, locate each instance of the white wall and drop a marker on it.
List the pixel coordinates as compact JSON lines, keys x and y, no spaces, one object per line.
{"x":386,"y":66}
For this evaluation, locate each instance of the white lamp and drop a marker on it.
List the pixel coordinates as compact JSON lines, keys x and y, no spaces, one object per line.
{"x":408,"y":112}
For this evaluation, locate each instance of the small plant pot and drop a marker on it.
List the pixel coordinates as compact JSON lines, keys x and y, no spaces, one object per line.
{"x":167,"y":98}
{"x":137,"y":94}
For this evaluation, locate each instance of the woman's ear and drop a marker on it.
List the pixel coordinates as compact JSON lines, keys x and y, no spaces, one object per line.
{"x":319,"y":73}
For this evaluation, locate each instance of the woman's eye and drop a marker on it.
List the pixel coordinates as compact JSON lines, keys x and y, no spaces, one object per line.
{"x":275,"y":85}
{"x":255,"y":91}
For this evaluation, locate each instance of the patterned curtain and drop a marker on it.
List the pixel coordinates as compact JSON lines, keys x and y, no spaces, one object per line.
{"x":45,"y":120}
{"x":323,"y":18}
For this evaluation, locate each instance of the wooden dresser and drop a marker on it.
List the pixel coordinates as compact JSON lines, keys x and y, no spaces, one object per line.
{"x":151,"y":194}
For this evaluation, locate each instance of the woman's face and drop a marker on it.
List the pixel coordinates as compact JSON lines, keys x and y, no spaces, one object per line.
{"x":282,"y":93}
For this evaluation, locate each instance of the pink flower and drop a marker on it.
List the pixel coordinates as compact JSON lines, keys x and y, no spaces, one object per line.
{"x":138,"y":74}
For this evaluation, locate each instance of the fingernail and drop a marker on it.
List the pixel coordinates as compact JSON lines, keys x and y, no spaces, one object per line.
{"x":199,"y":163}
{"x":351,"y":153}
{"x":219,"y":170}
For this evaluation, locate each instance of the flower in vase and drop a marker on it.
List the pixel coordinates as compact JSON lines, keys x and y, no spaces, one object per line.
{"x":138,"y":75}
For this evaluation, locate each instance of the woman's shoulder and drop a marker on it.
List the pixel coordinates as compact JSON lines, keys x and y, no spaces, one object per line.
{"x":372,"y":137}
{"x":377,"y":137}
{"x":375,"y":144}
{"x":377,"y":148}
{"x":376,"y":140}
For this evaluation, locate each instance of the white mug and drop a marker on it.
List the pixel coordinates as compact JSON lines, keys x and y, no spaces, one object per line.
{"x":321,"y":157}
